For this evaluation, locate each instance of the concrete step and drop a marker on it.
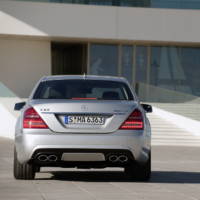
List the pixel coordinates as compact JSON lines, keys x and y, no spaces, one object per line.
{"x":168,"y":134}
{"x":190,"y":110}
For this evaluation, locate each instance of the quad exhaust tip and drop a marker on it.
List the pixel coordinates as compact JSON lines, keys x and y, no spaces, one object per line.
{"x":116,"y":158}
{"x":123,"y":158}
{"x":42,"y":158}
{"x":112,"y":158}
{"x":52,"y":158}
{"x":45,"y":158}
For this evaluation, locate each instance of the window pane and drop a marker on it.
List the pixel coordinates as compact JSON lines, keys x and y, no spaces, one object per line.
{"x":176,"y":68}
{"x":104,"y":59}
{"x":141,"y":64}
{"x":83,"y":89}
{"x":97,"y":2}
{"x":127,"y":62}
{"x":155,"y":65}
{"x":189,"y":60}
{"x":190,"y":4}
{"x":136,"y":3}
{"x":174,"y":80}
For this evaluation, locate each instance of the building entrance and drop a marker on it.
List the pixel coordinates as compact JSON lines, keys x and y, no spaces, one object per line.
{"x":69,"y":59}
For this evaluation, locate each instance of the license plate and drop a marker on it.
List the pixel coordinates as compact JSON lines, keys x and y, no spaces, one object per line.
{"x":90,"y":120}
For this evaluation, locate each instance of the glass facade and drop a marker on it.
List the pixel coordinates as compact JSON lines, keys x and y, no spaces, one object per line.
{"x":158,"y":73}
{"x":176,"y":68}
{"x":173,"y":68}
{"x":104,"y":59}
{"x":127,"y":62}
{"x":179,"y":4}
{"x":141,"y":64}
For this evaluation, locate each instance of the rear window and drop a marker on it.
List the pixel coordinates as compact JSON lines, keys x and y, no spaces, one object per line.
{"x":83,"y":89}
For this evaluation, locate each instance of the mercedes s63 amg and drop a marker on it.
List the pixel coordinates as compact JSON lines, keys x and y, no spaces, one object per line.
{"x":84,"y":122}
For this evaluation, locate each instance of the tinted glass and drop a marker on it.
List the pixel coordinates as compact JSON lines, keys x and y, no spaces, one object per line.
{"x":141,"y":64}
{"x":176,"y":68}
{"x":180,"y":4}
{"x":83,"y":89}
{"x":127,"y":62}
{"x":103,"y":59}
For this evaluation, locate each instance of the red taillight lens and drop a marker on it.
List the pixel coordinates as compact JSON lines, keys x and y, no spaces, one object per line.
{"x":33,"y":120}
{"x":134,"y":121}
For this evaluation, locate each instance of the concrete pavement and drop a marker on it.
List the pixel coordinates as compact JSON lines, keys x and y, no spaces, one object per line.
{"x":176,"y":176}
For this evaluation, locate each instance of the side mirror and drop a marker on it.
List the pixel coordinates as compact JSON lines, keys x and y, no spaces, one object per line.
{"x":147,"y":108}
{"x":19,"y":106}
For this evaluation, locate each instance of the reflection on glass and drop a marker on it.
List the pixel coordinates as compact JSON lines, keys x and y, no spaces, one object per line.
{"x":181,"y":4}
{"x":136,"y":3}
{"x":141,"y":64}
{"x":184,"y":4}
{"x":96,"y":2}
{"x":127,"y":62}
{"x":176,"y":68}
{"x":103,"y":59}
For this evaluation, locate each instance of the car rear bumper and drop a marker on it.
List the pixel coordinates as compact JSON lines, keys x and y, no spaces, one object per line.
{"x":100,"y":158}
{"x":31,"y":142}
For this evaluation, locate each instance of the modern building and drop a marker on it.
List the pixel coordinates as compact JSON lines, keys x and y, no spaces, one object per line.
{"x":155,"y":44}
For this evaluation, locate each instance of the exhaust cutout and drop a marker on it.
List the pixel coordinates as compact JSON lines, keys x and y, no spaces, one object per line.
{"x":52,"y":158}
{"x":123,"y":158}
{"x":42,"y":158}
{"x":113,"y":158}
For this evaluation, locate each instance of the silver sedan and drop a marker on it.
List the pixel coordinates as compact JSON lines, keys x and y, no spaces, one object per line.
{"x":84,"y":122}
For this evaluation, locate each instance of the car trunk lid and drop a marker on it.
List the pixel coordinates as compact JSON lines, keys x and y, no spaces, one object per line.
{"x":57,"y":113}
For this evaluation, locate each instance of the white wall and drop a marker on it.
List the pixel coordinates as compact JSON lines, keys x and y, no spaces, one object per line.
{"x":23,"y":63}
{"x":98,"y":22}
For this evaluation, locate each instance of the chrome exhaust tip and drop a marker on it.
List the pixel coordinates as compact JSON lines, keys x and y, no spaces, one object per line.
{"x":42,"y":158}
{"x":113,"y":158}
{"x":123,"y":158}
{"x":52,"y":158}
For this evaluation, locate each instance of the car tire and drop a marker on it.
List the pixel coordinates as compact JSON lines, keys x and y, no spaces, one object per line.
{"x":139,"y":172}
{"x":23,"y":171}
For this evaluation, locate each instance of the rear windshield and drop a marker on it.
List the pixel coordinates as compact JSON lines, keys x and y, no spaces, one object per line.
{"x":83,"y":89}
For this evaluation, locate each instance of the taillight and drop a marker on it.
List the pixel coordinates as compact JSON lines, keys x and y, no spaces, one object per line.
{"x":134,"y":121}
{"x":33,"y":120}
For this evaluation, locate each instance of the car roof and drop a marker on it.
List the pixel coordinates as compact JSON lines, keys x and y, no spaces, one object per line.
{"x":83,"y":77}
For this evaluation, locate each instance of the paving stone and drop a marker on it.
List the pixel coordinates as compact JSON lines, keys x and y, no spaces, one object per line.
{"x":175,"y":176}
